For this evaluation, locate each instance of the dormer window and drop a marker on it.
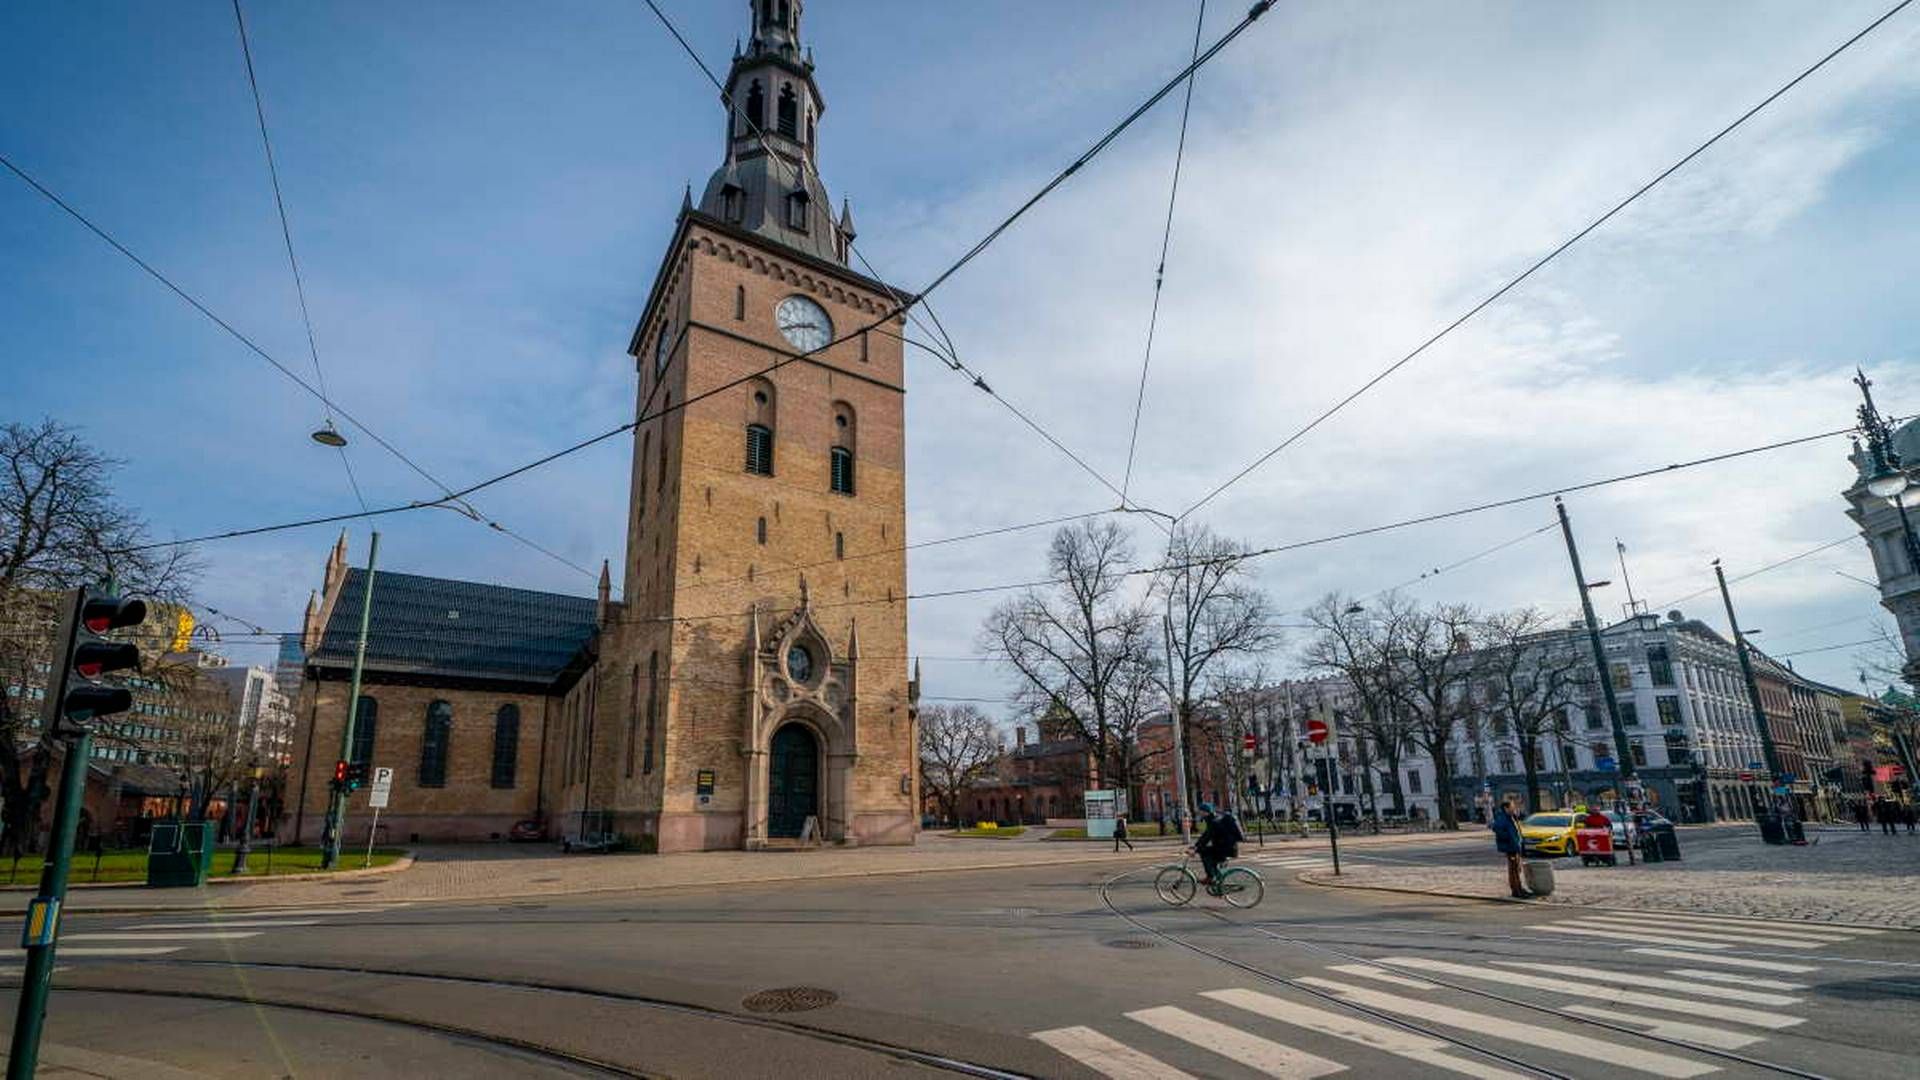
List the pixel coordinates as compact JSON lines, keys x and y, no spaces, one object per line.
{"x":797,"y":206}
{"x":789,"y":112}
{"x":733,"y":203}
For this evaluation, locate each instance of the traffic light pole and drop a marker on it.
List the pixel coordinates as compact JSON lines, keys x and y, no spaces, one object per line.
{"x":1768,"y":750}
{"x":337,"y":799}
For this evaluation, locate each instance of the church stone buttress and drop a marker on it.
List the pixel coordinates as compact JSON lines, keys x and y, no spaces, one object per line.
{"x":751,"y":688}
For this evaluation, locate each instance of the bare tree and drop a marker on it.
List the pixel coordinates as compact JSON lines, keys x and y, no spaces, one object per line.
{"x":1528,"y":674}
{"x":1219,"y":615}
{"x":60,"y":526}
{"x":1435,"y":653}
{"x":203,"y":737}
{"x":1076,"y":641}
{"x":958,"y":745}
{"x":1136,"y":695}
{"x":1361,"y":647}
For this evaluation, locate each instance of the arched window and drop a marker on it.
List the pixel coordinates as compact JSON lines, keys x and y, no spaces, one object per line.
{"x":667,"y":408}
{"x":839,"y":545}
{"x":366,"y":725}
{"x":506,"y":744}
{"x":757,"y":105}
{"x":653,"y":710}
{"x":842,"y":469}
{"x":760,"y":531}
{"x":840,"y":458}
{"x":433,"y":745}
{"x":633,"y":719}
{"x":739,"y":303}
{"x":789,"y":112}
{"x":759,"y":450}
{"x":783,"y":12}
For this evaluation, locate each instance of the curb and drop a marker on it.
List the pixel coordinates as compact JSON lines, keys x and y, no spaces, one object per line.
{"x":405,"y":860}
{"x":1307,"y":877}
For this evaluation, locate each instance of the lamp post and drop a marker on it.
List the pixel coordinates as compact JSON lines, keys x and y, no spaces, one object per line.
{"x":1622,"y":750}
{"x":1767,"y":749}
{"x":246,"y":829}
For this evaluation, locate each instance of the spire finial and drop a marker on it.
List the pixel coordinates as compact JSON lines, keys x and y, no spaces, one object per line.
{"x":686,"y":198}
{"x":806,"y":597}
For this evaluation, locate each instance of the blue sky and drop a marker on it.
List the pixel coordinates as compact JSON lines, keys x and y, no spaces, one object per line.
{"x":479,"y":193}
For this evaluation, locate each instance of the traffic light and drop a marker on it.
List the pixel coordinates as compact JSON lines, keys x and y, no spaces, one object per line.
{"x":86,"y":655}
{"x":356,"y":776}
{"x":339,"y":776}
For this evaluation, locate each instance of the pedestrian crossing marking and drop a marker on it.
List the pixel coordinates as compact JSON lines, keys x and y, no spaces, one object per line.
{"x":120,"y":950}
{"x":1734,"y":1013}
{"x":1786,"y":939}
{"x":1729,"y":961}
{"x":1780,"y":924}
{"x":1393,"y":1040}
{"x":1263,"y":1055}
{"x":1648,"y":1061}
{"x":1368,"y":971}
{"x":1616,"y":935}
{"x":1699,"y":1034}
{"x":1734,"y":977}
{"x":226,"y":925}
{"x":265,"y":913}
{"x":1108,"y":1057}
{"x":115,"y":935}
{"x":1655,"y":982}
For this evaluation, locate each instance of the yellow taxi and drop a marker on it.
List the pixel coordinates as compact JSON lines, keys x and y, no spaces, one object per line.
{"x":1549,"y":833}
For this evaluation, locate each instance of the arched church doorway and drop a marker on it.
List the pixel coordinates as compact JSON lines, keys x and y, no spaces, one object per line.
{"x":793,"y":780}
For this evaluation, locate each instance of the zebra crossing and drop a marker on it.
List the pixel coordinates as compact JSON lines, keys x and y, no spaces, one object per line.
{"x":1692,"y":996}
{"x":1286,"y":862}
{"x":164,"y":937}
{"x":1661,"y":933}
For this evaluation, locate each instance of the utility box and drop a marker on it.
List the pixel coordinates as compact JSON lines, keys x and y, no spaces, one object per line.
{"x":1669,"y":842}
{"x":179,"y":853}
{"x":1538,"y":876}
{"x":1772,"y":829}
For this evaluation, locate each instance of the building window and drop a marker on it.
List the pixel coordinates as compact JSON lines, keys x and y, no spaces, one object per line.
{"x":797,"y":206}
{"x":1569,"y":759}
{"x":1506,"y":759}
{"x":841,"y":460}
{"x":1622,"y":676}
{"x":733,"y":203}
{"x":633,"y":719}
{"x":506,"y":744}
{"x":1669,"y":707}
{"x":433,"y":745}
{"x":366,"y":725}
{"x":760,"y":530}
{"x":839,"y":545}
{"x":1659,"y":665}
{"x":1413,"y":781}
{"x":1639,"y":752}
{"x":1599,"y":750}
{"x":653,"y":711}
{"x":1678,"y":752}
{"x":1594,"y":721}
{"x":739,"y":303}
{"x":1629,"y":714}
{"x":757,"y":106}
{"x":759,"y":450}
{"x":789,"y":121}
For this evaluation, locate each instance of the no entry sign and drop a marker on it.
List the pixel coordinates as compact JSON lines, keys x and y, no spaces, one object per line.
{"x":1317,"y":731}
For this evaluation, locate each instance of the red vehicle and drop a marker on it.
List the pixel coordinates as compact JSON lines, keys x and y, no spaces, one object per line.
{"x":527,"y":831}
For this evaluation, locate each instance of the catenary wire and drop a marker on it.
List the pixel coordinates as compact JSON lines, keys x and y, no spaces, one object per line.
{"x":1514,"y":282}
{"x":1775,"y":565}
{"x":1160,"y":270}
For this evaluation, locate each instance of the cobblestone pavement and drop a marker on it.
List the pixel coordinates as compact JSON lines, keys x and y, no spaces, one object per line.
{"x":1843,"y":876}
{"x":501,"y":871}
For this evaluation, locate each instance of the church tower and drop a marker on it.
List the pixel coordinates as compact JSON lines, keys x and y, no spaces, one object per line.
{"x":751,"y":689}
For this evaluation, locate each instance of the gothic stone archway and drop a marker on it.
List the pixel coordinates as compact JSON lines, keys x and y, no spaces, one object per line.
{"x":801,"y":688}
{"x":793,"y":781}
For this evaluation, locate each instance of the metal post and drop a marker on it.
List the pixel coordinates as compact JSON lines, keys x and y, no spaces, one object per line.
{"x":1620,"y":745}
{"x":337,"y":800}
{"x":1767,"y":749}
{"x":371,"y":830}
{"x":1333,"y":785}
{"x":246,"y":831}
{"x":1179,"y":743}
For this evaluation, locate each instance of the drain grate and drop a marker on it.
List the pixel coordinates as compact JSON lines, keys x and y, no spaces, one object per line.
{"x":1128,"y":943}
{"x":789,"y":999}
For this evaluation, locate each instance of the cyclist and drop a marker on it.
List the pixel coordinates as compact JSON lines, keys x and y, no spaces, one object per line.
{"x":1218,"y":842}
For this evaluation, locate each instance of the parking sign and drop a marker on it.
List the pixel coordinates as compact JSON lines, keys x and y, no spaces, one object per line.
{"x":382,"y":784}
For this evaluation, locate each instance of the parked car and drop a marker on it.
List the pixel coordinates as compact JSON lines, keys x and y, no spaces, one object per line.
{"x":1548,"y":833}
{"x":527,"y":831}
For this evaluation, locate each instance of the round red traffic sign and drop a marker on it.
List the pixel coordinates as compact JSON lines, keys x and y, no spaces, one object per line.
{"x":1249,"y":743}
{"x":1317,"y":731}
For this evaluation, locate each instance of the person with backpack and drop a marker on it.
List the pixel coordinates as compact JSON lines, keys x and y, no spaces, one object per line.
{"x":1219,"y":841}
{"x":1120,"y":834}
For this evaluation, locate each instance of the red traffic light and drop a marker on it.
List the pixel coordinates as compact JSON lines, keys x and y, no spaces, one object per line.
{"x":340,"y":772}
{"x":94,"y":658}
{"x":1249,"y":742}
{"x":100,"y":614}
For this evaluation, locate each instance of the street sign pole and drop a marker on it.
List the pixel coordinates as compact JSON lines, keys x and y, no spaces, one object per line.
{"x":1322,"y":732}
{"x":1179,"y":746}
{"x":377,"y":798}
{"x":337,"y":801}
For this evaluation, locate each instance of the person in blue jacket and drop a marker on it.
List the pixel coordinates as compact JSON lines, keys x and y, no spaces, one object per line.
{"x":1506,"y":840}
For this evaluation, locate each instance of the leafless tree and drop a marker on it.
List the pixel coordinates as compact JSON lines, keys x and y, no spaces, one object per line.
{"x":1136,"y":696}
{"x":1076,"y":641}
{"x":1219,"y":616}
{"x":60,"y":526}
{"x":1435,"y":654}
{"x":1528,"y":674}
{"x":1361,"y":647}
{"x":958,"y":745}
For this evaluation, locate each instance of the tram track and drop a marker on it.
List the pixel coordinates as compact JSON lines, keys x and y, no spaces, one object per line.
{"x":1466,"y":1044}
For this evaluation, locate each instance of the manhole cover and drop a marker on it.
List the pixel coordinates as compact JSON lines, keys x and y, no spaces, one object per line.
{"x":789,"y":999}
{"x":1128,"y":943}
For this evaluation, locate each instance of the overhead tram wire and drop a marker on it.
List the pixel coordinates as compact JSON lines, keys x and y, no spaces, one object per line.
{"x":1160,"y":271}
{"x":786,"y":358}
{"x":1777,"y":564}
{"x":950,"y":354}
{"x":1541,"y":262}
{"x":286,"y":234}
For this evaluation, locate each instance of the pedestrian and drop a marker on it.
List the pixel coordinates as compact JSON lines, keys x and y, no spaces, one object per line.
{"x":1120,"y":833}
{"x":1908,"y":816}
{"x":1163,"y":818}
{"x":1506,"y":840}
{"x":1885,"y":811}
{"x":1860,"y":814}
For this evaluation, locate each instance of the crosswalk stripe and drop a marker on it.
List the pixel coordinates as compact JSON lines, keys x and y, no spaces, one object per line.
{"x":1737,"y":979}
{"x":1789,"y":938}
{"x":1108,"y":1057}
{"x":1393,"y":1040}
{"x":1616,"y":935}
{"x":1783,"y":924}
{"x":371,"y":909}
{"x":122,"y":950}
{"x":1730,"y":961}
{"x":1263,"y":1055}
{"x":1566,"y":1042}
{"x":1699,"y":1034}
{"x":1654,"y":982}
{"x":1368,"y":971}
{"x":225,"y":925}
{"x":137,"y":936}
{"x":1737,"y":1014}
{"x":1629,"y":928}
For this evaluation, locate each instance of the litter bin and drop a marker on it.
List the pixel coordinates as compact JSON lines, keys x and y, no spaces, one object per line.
{"x":1772,"y":829}
{"x":179,"y":853}
{"x":1669,"y":841}
{"x":1796,"y":831}
{"x":1538,"y":875}
{"x":1650,"y":847}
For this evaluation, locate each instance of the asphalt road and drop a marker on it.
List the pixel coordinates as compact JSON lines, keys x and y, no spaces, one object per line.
{"x":1062,"y":971}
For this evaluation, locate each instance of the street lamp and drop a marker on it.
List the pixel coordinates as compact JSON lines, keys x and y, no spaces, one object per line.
{"x":329,"y":436}
{"x":1886,"y":478}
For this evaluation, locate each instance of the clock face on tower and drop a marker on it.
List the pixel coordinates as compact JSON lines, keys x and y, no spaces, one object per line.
{"x":803,"y":323}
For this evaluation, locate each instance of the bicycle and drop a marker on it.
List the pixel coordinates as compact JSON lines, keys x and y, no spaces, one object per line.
{"x":1238,"y":886}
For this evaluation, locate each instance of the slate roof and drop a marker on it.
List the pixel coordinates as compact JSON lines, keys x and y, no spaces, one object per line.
{"x":463,"y":629}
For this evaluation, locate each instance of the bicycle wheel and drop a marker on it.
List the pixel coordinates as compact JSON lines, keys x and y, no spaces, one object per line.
{"x":1241,"y":887}
{"x":1175,"y":885}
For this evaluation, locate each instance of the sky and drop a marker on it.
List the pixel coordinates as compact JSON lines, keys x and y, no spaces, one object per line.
{"x":479,"y":194}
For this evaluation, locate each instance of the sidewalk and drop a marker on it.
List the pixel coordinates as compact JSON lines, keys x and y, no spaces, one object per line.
{"x":1846,"y":877}
{"x":503,"y":871}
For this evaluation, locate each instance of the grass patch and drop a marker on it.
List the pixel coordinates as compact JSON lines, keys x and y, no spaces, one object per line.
{"x":1004,"y":830}
{"x":130,"y":864}
{"x":1135,"y":831}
